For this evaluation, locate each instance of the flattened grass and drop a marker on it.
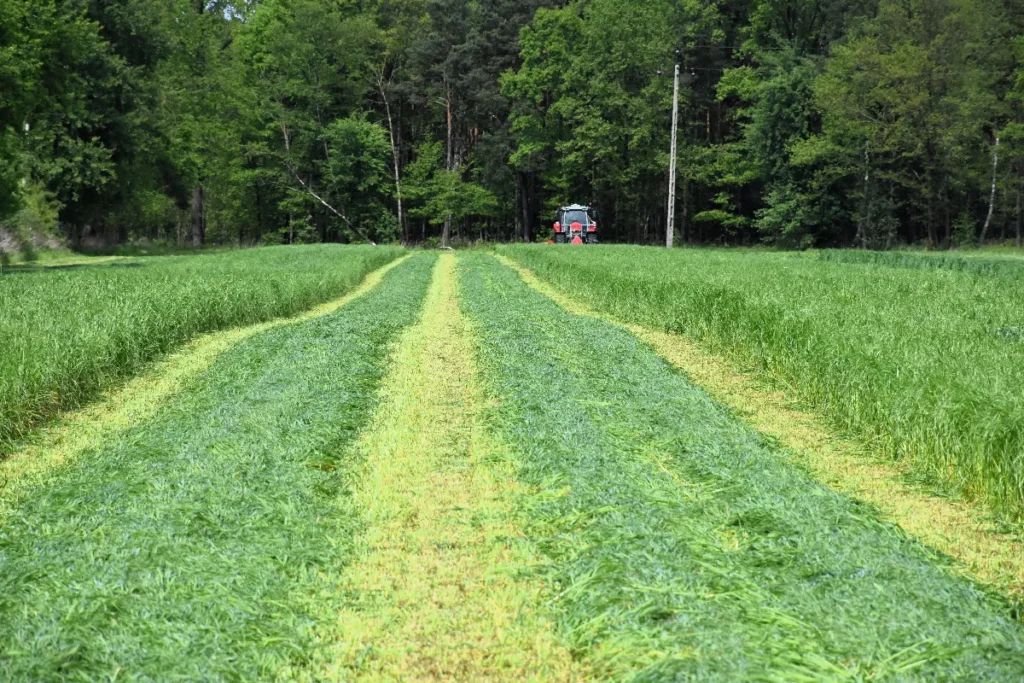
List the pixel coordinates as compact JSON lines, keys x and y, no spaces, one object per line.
{"x":68,"y":333}
{"x":925,"y":366}
{"x":961,"y":530}
{"x":684,"y":547}
{"x":138,"y":400}
{"x":436,"y":590}
{"x":206,"y":544}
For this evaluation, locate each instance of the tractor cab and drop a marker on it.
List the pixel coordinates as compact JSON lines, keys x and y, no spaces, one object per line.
{"x":573,"y":225}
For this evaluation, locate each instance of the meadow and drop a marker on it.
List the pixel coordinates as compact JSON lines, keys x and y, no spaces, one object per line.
{"x":455,"y":472}
{"x":925,"y":364}
{"x":68,"y":332}
{"x":680,"y":545}
{"x":982,"y":263}
{"x":195,"y":543}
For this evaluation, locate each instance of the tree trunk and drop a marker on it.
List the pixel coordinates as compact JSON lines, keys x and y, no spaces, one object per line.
{"x":685,"y":223}
{"x":932,"y":237}
{"x":517,"y":228}
{"x":992,"y":195}
{"x":198,"y":226}
{"x":1018,"y":214}
{"x":395,"y":152}
{"x":945,"y":212}
{"x":446,"y":236}
{"x":862,"y":231}
{"x":525,"y":206}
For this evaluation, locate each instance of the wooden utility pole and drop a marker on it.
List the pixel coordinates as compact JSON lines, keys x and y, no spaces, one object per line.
{"x":670,"y":230}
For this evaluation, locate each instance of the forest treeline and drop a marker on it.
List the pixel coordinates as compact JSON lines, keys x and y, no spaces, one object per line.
{"x":803,"y":122}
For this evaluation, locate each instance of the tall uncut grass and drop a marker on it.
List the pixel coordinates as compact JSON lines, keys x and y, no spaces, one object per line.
{"x":1000,"y":266}
{"x":926,"y":365}
{"x":66,"y":334}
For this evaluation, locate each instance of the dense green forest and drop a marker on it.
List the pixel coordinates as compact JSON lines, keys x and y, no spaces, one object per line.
{"x":803,"y":123}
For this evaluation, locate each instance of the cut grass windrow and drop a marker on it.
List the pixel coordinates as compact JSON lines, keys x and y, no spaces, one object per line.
{"x":436,"y":589}
{"x":682,"y":545}
{"x":68,"y":333}
{"x":925,"y":366}
{"x":962,"y":530}
{"x":137,"y":401}
{"x":205,"y":543}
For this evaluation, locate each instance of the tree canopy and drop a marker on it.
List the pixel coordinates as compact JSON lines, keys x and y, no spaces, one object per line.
{"x":803,"y":122}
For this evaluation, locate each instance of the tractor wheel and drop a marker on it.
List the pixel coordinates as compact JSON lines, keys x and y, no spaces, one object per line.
{"x":559,"y":238}
{"x":591,"y":239}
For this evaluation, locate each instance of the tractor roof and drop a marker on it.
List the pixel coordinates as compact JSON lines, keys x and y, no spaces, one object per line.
{"x":576,"y":207}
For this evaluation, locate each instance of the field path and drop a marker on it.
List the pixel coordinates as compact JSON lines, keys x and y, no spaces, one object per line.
{"x":437,"y":579}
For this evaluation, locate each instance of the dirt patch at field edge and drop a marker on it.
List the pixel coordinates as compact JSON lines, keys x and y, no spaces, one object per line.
{"x":117,"y":411}
{"x":955,"y":528}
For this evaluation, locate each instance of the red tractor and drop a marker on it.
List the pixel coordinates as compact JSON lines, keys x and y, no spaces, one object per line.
{"x":573,"y":225}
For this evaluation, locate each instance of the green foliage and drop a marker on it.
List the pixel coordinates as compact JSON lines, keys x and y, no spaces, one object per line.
{"x":910,"y":360}
{"x":803,"y":122}
{"x":681,"y":545}
{"x":594,"y":108}
{"x":208,"y":543}
{"x":438,"y":194}
{"x":36,"y":219}
{"x":357,"y":175}
{"x":965,"y":230}
{"x":66,"y":334}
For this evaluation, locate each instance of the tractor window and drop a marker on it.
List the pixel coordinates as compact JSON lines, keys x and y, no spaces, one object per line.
{"x":576,"y":217}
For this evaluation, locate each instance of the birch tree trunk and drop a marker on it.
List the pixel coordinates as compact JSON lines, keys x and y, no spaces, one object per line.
{"x":446,"y":236}
{"x":395,"y":150}
{"x":992,"y":195}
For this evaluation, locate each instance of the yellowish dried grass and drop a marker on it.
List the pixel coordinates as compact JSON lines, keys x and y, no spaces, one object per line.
{"x":438,"y":586}
{"x":138,"y":400}
{"x":959,"y":529}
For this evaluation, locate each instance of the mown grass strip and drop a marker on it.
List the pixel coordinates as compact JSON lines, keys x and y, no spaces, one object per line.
{"x":926,"y":367}
{"x":138,"y":400}
{"x":437,"y":586}
{"x":959,"y":529}
{"x":684,"y":546}
{"x":66,"y":334}
{"x":206,"y":543}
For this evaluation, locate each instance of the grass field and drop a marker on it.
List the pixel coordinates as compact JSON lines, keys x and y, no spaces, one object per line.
{"x":926,"y":365}
{"x":1007,"y":266}
{"x":67,"y":333}
{"x":195,"y":545}
{"x":458,"y":472}
{"x":671,"y":547}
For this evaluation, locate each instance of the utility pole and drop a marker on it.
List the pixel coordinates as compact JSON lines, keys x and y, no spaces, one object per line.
{"x":670,"y":230}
